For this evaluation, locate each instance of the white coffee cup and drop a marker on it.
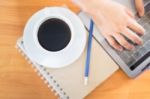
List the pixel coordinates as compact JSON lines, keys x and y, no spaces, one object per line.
{"x":54,"y":59}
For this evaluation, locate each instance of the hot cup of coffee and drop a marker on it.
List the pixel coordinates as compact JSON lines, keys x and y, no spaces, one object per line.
{"x":54,"y":37}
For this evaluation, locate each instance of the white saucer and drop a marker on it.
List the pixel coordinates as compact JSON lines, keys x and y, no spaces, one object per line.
{"x":54,"y":59}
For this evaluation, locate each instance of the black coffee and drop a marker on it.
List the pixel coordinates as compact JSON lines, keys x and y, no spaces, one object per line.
{"x":54,"y":34}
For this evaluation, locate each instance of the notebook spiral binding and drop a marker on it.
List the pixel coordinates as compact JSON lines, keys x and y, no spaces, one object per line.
{"x":44,"y":75}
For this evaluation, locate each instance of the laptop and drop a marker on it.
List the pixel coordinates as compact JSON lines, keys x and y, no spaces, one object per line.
{"x":133,"y":62}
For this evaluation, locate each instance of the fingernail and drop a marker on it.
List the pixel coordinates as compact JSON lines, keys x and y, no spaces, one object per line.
{"x":142,"y":31}
{"x":120,"y":49}
{"x":132,"y":48}
{"x":141,"y":42}
{"x":141,"y":13}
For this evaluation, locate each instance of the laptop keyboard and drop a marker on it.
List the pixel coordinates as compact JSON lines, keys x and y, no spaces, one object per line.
{"x":137,"y":56}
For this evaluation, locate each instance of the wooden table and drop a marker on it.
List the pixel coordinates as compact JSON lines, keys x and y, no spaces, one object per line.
{"x":19,"y":81}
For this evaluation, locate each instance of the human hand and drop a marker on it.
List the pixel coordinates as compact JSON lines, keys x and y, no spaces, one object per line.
{"x":140,"y":7}
{"x":114,"y":21}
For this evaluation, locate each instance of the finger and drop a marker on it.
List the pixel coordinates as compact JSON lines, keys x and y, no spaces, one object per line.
{"x":133,"y":25}
{"x":129,"y":13}
{"x":132,"y":36}
{"x":122,"y":41}
{"x":140,"y":7}
{"x":113,"y":43}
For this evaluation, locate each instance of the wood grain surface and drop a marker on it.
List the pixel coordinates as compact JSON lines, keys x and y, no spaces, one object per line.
{"x":18,"y":79}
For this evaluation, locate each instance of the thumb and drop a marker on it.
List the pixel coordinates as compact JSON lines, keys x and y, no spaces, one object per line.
{"x":140,"y":7}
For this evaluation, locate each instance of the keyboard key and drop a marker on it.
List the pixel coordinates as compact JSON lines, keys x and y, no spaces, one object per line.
{"x":147,"y":7}
{"x":148,"y":15}
{"x":131,"y":60}
{"x":146,"y":26}
{"x":143,"y":51}
{"x":129,"y":53}
{"x":143,"y":20}
{"x":124,"y":56}
{"x":137,"y":55}
{"x":145,"y":38}
{"x":147,"y":45}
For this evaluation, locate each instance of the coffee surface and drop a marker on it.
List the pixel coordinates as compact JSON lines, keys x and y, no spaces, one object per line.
{"x":54,"y":34}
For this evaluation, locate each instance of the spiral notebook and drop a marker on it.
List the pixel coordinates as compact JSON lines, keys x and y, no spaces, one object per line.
{"x":68,"y":82}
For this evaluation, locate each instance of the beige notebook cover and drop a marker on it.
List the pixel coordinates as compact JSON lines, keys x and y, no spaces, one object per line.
{"x":68,"y":82}
{"x":71,"y":78}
